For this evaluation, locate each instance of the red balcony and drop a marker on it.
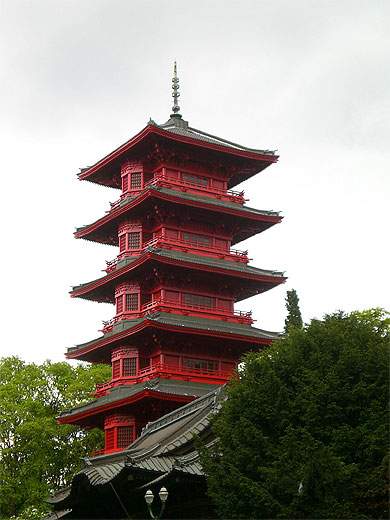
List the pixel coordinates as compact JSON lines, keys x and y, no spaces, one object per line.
{"x":181,"y":308}
{"x":197,"y":248}
{"x":187,"y":247}
{"x":161,"y":179}
{"x":165,"y":181}
{"x":166,"y":371}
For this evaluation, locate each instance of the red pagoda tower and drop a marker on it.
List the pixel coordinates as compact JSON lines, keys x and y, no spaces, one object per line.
{"x":175,"y":333}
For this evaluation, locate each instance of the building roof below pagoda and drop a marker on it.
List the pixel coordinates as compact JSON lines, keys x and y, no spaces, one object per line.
{"x":163,"y":455}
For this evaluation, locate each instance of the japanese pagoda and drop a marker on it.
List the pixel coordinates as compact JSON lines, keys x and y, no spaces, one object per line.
{"x":176,"y":333}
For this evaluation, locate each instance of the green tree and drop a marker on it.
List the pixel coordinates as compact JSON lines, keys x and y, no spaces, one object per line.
{"x":36,"y":454}
{"x":294,"y":317}
{"x":304,"y":432}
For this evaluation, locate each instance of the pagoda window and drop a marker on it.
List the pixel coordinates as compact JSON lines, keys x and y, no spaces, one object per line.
{"x":116,"y":369}
{"x":125,"y":436}
{"x":195,"y":301}
{"x":133,"y":240}
{"x":195,"y":180}
{"x":197,"y":240}
{"x":129,"y":367}
{"x":136,"y":181}
{"x":120,"y":431}
{"x":131,"y":302}
{"x":119,"y":304}
{"x":200,"y":365}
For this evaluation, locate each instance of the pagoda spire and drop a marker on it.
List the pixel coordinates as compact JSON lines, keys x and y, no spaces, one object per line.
{"x":175,"y":93}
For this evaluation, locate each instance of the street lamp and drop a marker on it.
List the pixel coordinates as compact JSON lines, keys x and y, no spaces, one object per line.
{"x":149,"y":497}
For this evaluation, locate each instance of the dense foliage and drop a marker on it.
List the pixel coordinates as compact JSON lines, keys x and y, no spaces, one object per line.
{"x":304,"y":432}
{"x":294,"y":317}
{"x":36,"y":454}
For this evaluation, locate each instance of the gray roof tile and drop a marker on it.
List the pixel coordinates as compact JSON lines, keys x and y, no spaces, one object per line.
{"x":163,"y":386}
{"x":210,"y":201}
{"x":190,"y":258}
{"x":206,"y":324}
{"x":180,"y":127}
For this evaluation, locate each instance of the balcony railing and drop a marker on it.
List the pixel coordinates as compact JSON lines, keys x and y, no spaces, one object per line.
{"x":164,"y":371}
{"x":219,"y":193}
{"x":163,"y":180}
{"x":186,"y":246}
{"x":181,"y":308}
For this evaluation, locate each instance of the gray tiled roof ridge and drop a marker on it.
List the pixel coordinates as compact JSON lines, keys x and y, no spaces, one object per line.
{"x":184,"y":411}
{"x":217,"y":202}
{"x":194,"y":421}
{"x":198,"y":404}
{"x":216,"y":262}
{"x":168,"y":318}
{"x":194,"y":133}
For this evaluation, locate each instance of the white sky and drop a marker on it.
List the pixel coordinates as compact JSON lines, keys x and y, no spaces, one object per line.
{"x":79,"y":78}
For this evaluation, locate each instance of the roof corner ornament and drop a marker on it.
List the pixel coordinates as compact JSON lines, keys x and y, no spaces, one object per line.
{"x":175,"y":93}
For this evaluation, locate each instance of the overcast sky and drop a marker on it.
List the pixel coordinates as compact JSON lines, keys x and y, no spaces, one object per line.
{"x":79,"y":78}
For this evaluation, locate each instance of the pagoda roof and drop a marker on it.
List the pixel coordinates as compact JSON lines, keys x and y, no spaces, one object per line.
{"x":90,"y":290}
{"x":268,"y":218}
{"x":164,"y":451}
{"x":174,"y":323}
{"x":177,"y":130}
{"x":124,"y":395}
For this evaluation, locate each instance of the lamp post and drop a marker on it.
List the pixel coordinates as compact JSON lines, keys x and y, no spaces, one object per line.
{"x":149,"y":497}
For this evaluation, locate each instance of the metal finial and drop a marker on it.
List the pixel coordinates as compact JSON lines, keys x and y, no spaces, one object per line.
{"x":175,"y":93}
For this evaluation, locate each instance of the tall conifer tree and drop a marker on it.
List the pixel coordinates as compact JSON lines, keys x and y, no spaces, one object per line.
{"x":294,"y":317}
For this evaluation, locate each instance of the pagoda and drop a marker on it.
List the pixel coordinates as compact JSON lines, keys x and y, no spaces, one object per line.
{"x":175,"y":334}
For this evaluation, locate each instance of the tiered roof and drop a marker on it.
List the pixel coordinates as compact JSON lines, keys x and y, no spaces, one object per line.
{"x":102,"y":289}
{"x":175,"y":390}
{"x":177,"y":131}
{"x":100,"y":348}
{"x":256,"y":220}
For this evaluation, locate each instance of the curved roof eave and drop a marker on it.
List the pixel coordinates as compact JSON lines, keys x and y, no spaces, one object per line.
{"x":224,"y":147}
{"x":248,"y":333}
{"x":212,"y":205}
{"x":189,"y":261}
